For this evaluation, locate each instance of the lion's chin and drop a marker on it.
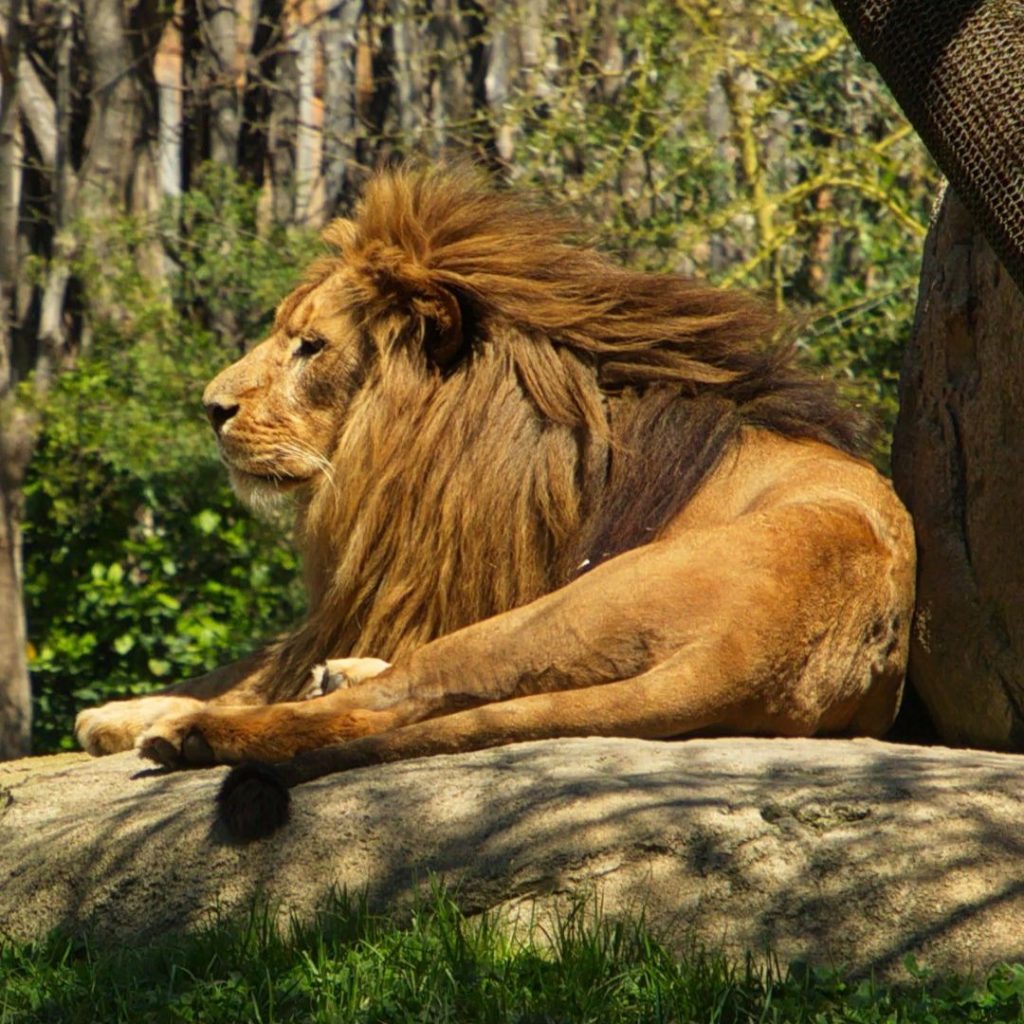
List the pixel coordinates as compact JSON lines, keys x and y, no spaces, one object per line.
{"x":264,"y":494}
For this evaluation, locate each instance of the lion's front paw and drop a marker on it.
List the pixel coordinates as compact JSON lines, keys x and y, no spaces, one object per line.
{"x":342,"y":673}
{"x":221,"y":735}
{"x":117,"y":726}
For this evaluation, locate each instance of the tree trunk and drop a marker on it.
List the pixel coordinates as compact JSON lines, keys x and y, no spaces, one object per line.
{"x":10,"y":181}
{"x":958,"y":462}
{"x":15,"y":430}
{"x":219,"y":33}
{"x":498,"y":83}
{"x":17,"y":435}
{"x":116,"y":114}
{"x":167,"y":67}
{"x":307,"y":129}
{"x":284,"y":129}
{"x":340,"y":124}
{"x":407,"y":33}
{"x":51,"y":316}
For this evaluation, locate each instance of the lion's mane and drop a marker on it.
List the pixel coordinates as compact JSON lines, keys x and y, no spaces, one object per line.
{"x":526,"y":409}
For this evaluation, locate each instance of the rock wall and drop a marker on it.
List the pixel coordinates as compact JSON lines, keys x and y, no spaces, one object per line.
{"x":958,"y":464}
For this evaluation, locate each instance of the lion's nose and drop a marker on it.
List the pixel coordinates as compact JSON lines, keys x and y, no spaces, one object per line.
{"x":219,"y":414}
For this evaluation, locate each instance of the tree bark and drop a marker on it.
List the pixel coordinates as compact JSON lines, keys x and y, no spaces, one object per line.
{"x":958,"y":462}
{"x":37,"y":108}
{"x":498,"y":83}
{"x":51,"y":316}
{"x":116,"y":113}
{"x":10,"y":178}
{"x":307,"y":152}
{"x":407,"y":31}
{"x":167,"y":68}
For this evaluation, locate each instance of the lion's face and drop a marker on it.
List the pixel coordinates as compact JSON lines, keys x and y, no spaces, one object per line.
{"x":277,"y":411}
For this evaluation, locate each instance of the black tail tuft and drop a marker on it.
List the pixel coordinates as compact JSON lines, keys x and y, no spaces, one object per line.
{"x":253,"y":802}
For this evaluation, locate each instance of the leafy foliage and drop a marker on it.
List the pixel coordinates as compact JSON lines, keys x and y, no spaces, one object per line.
{"x":751,"y":143}
{"x":353,"y":966}
{"x":140,"y":567}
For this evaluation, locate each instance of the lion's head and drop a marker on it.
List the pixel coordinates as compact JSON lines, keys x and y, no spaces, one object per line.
{"x":470,"y":408}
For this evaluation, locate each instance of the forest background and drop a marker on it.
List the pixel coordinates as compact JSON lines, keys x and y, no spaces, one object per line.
{"x":165,"y":166}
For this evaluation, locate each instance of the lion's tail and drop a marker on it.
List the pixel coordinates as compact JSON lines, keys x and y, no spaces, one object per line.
{"x":254,"y":802}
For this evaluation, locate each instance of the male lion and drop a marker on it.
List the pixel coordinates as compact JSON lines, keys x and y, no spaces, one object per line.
{"x":563,"y":498}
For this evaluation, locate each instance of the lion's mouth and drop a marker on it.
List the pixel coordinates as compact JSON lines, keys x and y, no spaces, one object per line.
{"x":274,"y":480}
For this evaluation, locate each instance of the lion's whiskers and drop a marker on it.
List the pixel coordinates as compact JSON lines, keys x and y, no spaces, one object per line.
{"x":301,"y":450}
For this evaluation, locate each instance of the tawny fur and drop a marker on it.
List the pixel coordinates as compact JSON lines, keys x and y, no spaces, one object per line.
{"x":521,"y":470}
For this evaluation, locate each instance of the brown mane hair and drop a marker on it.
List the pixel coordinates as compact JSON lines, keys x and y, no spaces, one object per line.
{"x":528,"y":409}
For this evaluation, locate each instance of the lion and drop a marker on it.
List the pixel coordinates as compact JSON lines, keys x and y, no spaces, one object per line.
{"x":537,"y":495}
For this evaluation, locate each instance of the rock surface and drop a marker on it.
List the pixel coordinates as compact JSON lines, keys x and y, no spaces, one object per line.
{"x":958,"y":465}
{"x":852,"y":853}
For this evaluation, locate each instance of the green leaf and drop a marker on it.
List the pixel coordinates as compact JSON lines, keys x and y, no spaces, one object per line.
{"x":207,"y":520}
{"x":124,"y":643}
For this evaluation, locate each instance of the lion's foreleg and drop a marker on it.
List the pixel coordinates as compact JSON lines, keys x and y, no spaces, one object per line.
{"x":613,"y":624}
{"x":387,"y":723}
{"x":588,"y":632}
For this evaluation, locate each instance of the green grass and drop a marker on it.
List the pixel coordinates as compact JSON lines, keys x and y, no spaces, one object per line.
{"x":438,"y":966}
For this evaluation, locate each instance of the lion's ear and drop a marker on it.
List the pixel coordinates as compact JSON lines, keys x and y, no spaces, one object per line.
{"x":441,"y":317}
{"x":393,"y":279}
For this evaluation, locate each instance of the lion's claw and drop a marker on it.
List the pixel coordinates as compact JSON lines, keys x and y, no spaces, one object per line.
{"x":160,"y":750}
{"x":193,"y":750}
{"x":341,"y":674}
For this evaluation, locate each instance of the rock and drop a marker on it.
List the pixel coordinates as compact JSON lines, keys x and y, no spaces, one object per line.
{"x":958,"y":463}
{"x":849,"y":853}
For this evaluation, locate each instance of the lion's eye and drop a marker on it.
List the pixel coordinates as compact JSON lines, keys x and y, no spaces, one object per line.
{"x":309,"y":346}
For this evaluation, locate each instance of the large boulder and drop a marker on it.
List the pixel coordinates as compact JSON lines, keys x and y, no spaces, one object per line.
{"x":958,"y":464}
{"x":847,"y":853}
